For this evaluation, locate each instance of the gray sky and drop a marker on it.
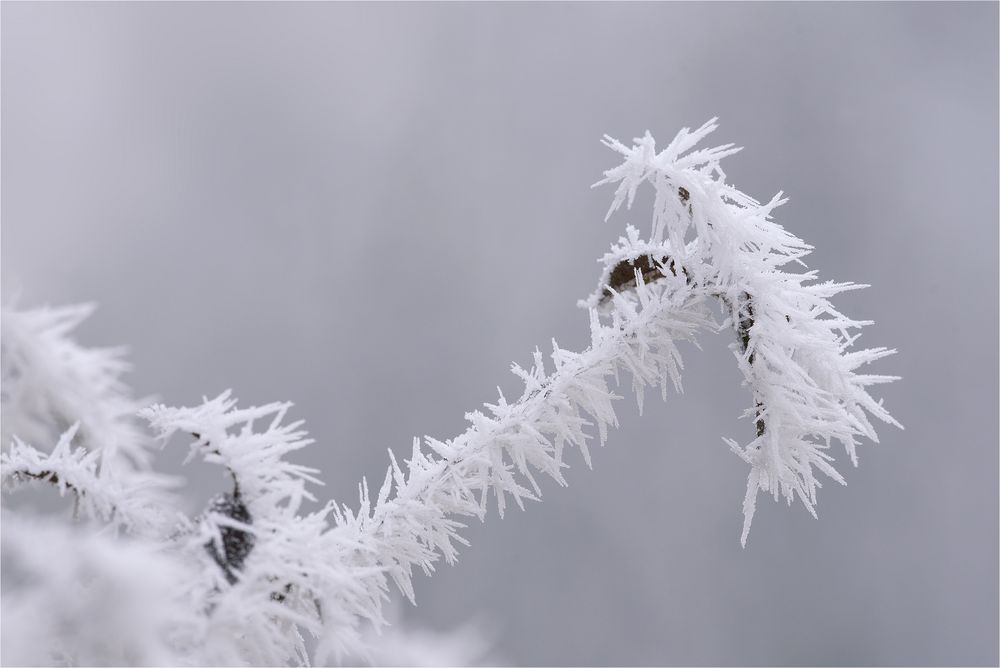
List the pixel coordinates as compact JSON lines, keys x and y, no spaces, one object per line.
{"x":371,"y":210}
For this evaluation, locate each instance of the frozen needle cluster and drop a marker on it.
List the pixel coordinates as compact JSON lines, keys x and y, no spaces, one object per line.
{"x":248,"y":579}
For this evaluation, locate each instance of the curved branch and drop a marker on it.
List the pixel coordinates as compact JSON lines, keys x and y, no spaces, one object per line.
{"x":652,"y":294}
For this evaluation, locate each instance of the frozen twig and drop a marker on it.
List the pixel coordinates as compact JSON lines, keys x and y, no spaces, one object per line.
{"x":257,"y":574}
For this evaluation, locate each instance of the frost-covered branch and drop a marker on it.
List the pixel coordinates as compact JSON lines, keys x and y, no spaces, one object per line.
{"x":130,"y":503}
{"x":257,"y":573}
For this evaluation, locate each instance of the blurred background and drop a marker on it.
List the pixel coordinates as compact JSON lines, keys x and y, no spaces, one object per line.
{"x":371,"y":210}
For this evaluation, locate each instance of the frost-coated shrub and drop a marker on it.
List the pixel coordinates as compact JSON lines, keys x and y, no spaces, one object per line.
{"x":133,"y":580}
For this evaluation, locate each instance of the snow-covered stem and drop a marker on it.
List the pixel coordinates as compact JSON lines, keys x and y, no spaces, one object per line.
{"x":255,"y":573}
{"x":131,"y":503}
{"x":455,"y":477}
{"x":792,"y":348}
{"x":793,"y":344}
